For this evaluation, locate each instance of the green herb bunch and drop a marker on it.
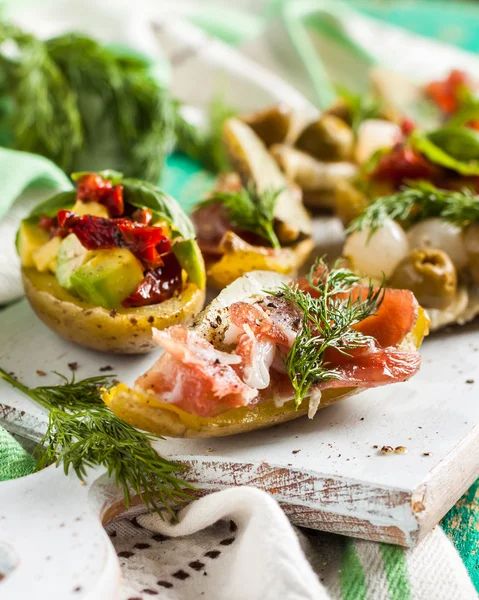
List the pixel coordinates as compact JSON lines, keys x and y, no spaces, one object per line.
{"x":83,"y":105}
{"x":83,"y":433}
{"x":417,"y":202}
{"x":327,"y":323}
{"x":88,"y":107}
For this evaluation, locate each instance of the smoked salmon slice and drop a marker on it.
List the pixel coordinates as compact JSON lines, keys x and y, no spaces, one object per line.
{"x":194,"y":375}
{"x":205,"y":381}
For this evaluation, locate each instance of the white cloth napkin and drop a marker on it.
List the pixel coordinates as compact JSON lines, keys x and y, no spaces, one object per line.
{"x":237,"y":544}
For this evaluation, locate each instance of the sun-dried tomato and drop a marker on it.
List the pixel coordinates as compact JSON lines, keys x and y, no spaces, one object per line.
{"x":401,"y":163}
{"x":96,"y":233}
{"x":147,"y":243}
{"x":158,"y":284}
{"x":93,"y":188}
{"x":446,"y":92}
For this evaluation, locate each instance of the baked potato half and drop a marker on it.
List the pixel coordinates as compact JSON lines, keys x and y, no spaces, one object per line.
{"x":103,"y":265}
{"x":147,"y":410}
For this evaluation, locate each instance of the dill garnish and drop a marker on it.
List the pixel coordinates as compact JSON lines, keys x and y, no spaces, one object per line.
{"x":83,"y":433}
{"x":327,"y":324}
{"x":361,"y":107}
{"x":250,"y":210}
{"x":83,"y":105}
{"x":419,"y":201}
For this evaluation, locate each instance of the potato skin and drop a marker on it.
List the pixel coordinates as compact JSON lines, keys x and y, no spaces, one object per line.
{"x":126,"y":331}
{"x":240,"y":257}
{"x":145,"y":412}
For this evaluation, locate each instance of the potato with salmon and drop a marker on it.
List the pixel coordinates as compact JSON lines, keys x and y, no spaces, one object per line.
{"x":104,"y":264}
{"x":270,"y":349}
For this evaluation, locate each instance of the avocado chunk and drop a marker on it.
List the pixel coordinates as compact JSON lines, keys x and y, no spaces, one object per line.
{"x":45,"y":257}
{"x":30,"y":238}
{"x":71,"y":256}
{"x":191,"y":260}
{"x":107,"y":278}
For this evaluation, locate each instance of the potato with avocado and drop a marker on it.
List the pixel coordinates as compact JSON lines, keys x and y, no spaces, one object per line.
{"x":104,"y":264}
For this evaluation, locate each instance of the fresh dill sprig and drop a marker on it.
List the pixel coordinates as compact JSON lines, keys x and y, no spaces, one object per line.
{"x":360,"y":107}
{"x":83,"y":105}
{"x":327,"y":323}
{"x":417,"y":202}
{"x":250,"y":210}
{"x":83,"y":432}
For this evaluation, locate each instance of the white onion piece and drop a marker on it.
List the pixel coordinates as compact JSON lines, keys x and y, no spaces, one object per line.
{"x":441,"y":235}
{"x":373,"y":135}
{"x":381,"y":253}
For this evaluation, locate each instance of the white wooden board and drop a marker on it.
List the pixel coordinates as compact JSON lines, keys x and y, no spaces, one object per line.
{"x":326,"y":472}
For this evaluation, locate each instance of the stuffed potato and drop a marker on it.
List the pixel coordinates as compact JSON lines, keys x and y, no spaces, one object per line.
{"x":255,"y":218}
{"x":413,"y":213}
{"x":251,"y":359}
{"x":106,"y":263}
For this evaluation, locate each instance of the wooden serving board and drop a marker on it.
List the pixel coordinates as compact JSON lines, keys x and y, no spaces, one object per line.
{"x":327,"y":473}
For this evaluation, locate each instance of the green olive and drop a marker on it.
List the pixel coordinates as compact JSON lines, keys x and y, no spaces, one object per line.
{"x":272,"y":124}
{"x":430,"y":274}
{"x":350,"y":202}
{"x":339,"y":109}
{"x":471,"y":243}
{"x":329,"y":138}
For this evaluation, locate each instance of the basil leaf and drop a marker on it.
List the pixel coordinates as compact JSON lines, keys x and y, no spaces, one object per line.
{"x":51,"y":206}
{"x":439,"y":156}
{"x":461,"y":143}
{"x":146,"y":195}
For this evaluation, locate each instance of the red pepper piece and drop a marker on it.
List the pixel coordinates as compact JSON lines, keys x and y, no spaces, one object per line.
{"x":158,"y":285}
{"x":93,"y":188}
{"x":403,"y":163}
{"x":446,"y":93}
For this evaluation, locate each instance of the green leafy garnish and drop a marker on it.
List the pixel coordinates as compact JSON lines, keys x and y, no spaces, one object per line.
{"x":250,"y":210}
{"x":82,"y":105}
{"x":114,"y":177}
{"x":206,"y":146}
{"x":468,"y":109}
{"x":51,"y":206}
{"x":451,"y":147}
{"x":417,"y":202}
{"x":140,"y":194}
{"x":143,"y":194}
{"x":327,"y":323}
{"x":83,"y":433}
{"x":361,"y":107}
